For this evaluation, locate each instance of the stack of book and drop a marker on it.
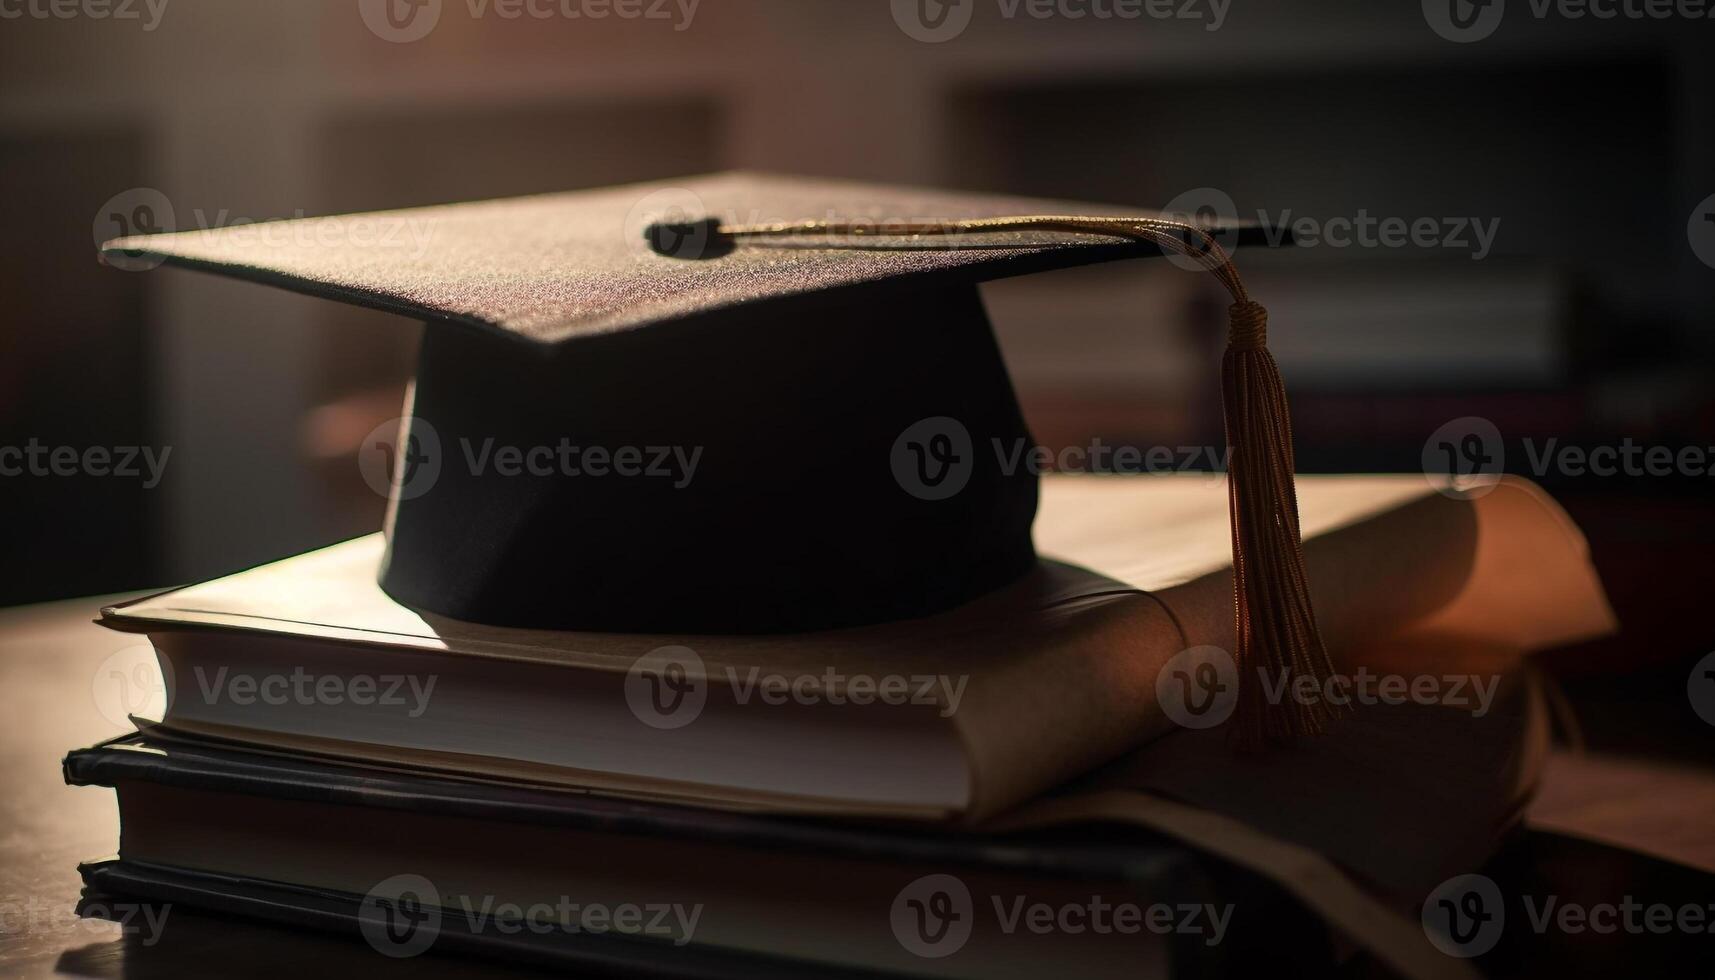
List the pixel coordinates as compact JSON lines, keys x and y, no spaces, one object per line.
{"x":1038,"y":781}
{"x":853,"y":690}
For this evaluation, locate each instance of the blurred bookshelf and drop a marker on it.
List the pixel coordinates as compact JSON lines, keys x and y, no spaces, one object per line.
{"x":1588,"y":320}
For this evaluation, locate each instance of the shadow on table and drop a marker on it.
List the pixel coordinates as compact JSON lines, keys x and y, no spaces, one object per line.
{"x":206,"y":944}
{"x":1579,"y":876}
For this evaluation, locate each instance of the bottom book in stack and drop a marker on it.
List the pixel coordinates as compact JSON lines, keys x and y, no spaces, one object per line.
{"x":414,"y":862}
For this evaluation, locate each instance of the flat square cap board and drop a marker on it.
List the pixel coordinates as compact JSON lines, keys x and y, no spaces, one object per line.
{"x":557,"y":266}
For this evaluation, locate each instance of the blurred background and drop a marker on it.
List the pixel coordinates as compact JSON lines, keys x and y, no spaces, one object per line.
{"x":1556,"y":173}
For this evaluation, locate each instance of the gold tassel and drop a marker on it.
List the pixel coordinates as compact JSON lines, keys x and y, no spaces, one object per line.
{"x":1276,"y":626}
{"x":1277,"y":633}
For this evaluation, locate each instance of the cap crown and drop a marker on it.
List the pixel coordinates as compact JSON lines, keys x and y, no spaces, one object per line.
{"x":794,"y":435}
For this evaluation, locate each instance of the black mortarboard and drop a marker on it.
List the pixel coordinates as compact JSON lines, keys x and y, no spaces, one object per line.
{"x":810,"y":356}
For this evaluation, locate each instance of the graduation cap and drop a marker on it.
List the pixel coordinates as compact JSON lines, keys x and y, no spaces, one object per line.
{"x":809,"y":364}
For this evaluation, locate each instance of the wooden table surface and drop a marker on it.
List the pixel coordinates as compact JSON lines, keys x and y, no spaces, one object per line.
{"x":59,"y":691}
{"x":62,"y":685}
